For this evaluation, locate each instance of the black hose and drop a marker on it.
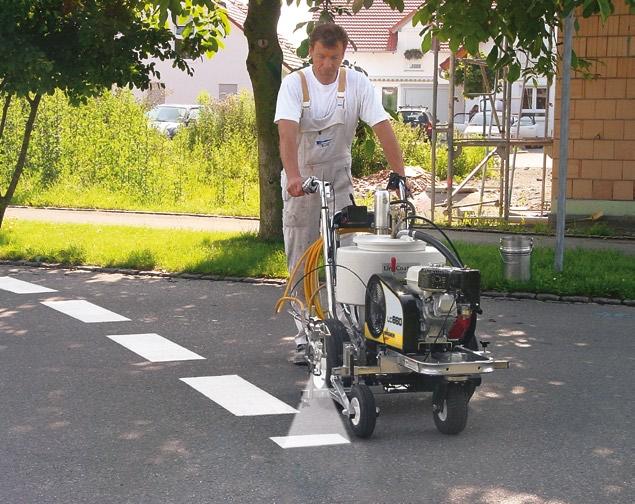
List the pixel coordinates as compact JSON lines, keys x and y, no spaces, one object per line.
{"x":438,"y":244}
{"x":456,"y":252}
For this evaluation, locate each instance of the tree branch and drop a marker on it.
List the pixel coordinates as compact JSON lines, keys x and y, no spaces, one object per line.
{"x":19,"y":166}
{"x":5,"y":112}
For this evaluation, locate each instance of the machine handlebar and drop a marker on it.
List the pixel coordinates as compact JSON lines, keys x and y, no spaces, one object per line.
{"x":310,"y":185}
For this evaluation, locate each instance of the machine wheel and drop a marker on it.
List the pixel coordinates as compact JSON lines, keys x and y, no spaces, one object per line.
{"x":363,"y":414}
{"x":332,"y":354}
{"x":450,"y":410}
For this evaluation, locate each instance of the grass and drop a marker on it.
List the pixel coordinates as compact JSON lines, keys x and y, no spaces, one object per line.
{"x":200,"y":200}
{"x":598,"y":273}
{"x":230,"y":254}
{"x":587,"y":272}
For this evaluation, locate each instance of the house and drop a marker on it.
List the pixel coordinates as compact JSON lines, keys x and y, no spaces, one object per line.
{"x":387,"y":47}
{"x":224,"y":74}
{"x":601,"y":154}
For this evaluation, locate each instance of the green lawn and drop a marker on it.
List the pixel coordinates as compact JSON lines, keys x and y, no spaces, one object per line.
{"x":231,"y":254}
{"x":587,"y":272}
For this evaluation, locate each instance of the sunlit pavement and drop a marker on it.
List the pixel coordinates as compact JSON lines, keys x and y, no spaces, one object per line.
{"x":92,"y":414}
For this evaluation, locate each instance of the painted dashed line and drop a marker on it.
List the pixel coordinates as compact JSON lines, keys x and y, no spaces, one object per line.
{"x":309,"y":440}
{"x":21,"y":287}
{"x":233,"y":393}
{"x":155,"y":348}
{"x":85,"y":311}
{"x":238,"y":396}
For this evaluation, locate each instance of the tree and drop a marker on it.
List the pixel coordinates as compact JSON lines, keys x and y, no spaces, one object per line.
{"x":82,"y":47}
{"x":264,"y":64}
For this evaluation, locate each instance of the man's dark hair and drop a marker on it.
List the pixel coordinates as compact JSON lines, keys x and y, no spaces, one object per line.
{"x":329,"y":34}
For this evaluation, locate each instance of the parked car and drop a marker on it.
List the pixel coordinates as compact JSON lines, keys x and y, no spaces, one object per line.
{"x":481,"y":123}
{"x":169,"y":118}
{"x":528,"y":127}
{"x":461,"y":120}
{"x":417,"y":117}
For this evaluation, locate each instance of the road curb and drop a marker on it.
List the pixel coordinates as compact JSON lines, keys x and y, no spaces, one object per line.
{"x":545,"y":297}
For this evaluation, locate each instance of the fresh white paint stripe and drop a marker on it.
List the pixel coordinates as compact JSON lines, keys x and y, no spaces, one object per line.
{"x":238,"y":396}
{"x":85,"y":311}
{"x":154,"y":347}
{"x":21,"y":287}
{"x":309,"y":440}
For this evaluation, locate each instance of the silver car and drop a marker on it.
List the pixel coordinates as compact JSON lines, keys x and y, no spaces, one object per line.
{"x":169,"y":118}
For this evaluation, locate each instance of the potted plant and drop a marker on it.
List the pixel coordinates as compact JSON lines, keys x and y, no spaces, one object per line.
{"x":412,"y":54}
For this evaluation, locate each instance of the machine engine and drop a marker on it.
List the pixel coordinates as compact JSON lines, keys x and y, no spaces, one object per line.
{"x":436,"y":305}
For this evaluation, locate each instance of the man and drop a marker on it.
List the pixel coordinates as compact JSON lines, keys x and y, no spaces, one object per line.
{"x":317,"y":113}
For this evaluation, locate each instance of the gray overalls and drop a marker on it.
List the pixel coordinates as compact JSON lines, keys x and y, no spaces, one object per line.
{"x":323,"y":152}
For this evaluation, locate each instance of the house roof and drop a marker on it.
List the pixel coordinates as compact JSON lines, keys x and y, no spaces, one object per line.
{"x":375,"y":29}
{"x":237,"y":13}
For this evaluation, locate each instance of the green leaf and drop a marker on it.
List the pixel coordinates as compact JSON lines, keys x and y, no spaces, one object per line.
{"x":303,"y":50}
{"x":357,"y":5}
{"x":471,"y":44}
{"x":426,"y":43}
{"x":369,"y":146}
{"x":605,"y":8}
{"x":514,"y":72}
{"x":492,"y":56}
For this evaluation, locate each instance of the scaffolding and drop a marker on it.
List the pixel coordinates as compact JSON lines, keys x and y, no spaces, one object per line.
{"x":503,"y":146}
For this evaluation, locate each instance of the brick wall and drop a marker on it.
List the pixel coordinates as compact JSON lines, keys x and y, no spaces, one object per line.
{"x":601,"y":168}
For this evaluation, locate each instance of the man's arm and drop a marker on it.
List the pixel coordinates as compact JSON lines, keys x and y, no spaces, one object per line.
{"x":389,"y":143}
{"x":288,"y":131}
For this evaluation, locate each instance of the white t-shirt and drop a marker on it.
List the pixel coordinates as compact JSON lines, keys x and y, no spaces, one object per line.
{"x":360,"y":102}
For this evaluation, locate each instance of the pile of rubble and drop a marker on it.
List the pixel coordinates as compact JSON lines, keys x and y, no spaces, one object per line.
{"x":418,"y":181}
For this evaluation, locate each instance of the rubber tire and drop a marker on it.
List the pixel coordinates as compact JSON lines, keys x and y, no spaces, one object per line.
{"x":454,"y":417}
{"x":362,"y":424}
{"x":333,"y":345}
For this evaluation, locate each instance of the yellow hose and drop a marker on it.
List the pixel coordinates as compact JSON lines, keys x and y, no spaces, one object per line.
{"x":311,"y":283}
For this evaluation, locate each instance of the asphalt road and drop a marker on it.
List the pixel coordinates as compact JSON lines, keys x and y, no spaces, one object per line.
{"x":85,"y":419}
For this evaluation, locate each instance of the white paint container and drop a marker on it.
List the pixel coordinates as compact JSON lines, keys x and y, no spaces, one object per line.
{"x":373,"y":254}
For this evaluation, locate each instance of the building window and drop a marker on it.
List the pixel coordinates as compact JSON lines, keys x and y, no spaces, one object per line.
{"x":224,"y":90}
{"x":541,"y":98}
{"x":535,"y":98}
{"x":389,"y":98}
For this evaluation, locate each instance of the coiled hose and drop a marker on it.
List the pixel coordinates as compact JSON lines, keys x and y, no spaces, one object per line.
{"x":310,"y":278}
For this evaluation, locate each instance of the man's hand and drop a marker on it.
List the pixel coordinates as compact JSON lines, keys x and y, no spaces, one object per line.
{"x":294,"y":186}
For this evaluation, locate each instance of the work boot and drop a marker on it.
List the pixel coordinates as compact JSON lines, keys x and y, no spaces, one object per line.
{"x":299,"y":357}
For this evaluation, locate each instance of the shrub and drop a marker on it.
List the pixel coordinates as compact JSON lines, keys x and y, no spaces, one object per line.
{"x":104,"y":154}
{"x":416,"y":151}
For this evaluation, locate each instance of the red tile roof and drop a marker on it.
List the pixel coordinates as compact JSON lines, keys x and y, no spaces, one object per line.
{"x":375,"y":29}
{"x":237,"y":12}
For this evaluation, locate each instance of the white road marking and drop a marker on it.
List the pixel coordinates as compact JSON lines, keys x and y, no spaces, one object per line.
{"x":238,"y":396}
{"x":309,"y":440}
{"x":85,"y":311}
{"x":21,"y":287}
{"x":154,"y":347}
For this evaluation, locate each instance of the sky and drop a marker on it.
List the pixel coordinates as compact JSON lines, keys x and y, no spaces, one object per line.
{"x":289,"y":18}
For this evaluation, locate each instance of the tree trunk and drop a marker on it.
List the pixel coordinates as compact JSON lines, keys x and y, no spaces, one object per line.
{"x":19,"y":166}
{"x":264,"y":64}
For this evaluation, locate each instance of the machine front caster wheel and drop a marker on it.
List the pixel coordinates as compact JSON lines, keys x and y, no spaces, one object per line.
{"x":450,"y":410}
{"x":363,"y":415}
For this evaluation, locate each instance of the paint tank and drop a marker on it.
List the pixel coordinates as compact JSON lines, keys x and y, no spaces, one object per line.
{"x":373,"y":254}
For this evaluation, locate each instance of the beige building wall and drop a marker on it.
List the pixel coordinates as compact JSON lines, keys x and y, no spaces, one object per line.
{"x":601,"y":167}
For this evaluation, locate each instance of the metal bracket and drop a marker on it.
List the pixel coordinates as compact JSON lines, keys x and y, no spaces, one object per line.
{"x":339,"y":395}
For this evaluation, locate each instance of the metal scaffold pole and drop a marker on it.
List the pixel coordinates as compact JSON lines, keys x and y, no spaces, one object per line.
{"x":450,"y":136}
{"x":433,"y":140}
{"x":564,"y":142}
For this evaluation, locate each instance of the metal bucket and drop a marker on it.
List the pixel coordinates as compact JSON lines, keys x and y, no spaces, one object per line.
{"x":515,"y":252}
